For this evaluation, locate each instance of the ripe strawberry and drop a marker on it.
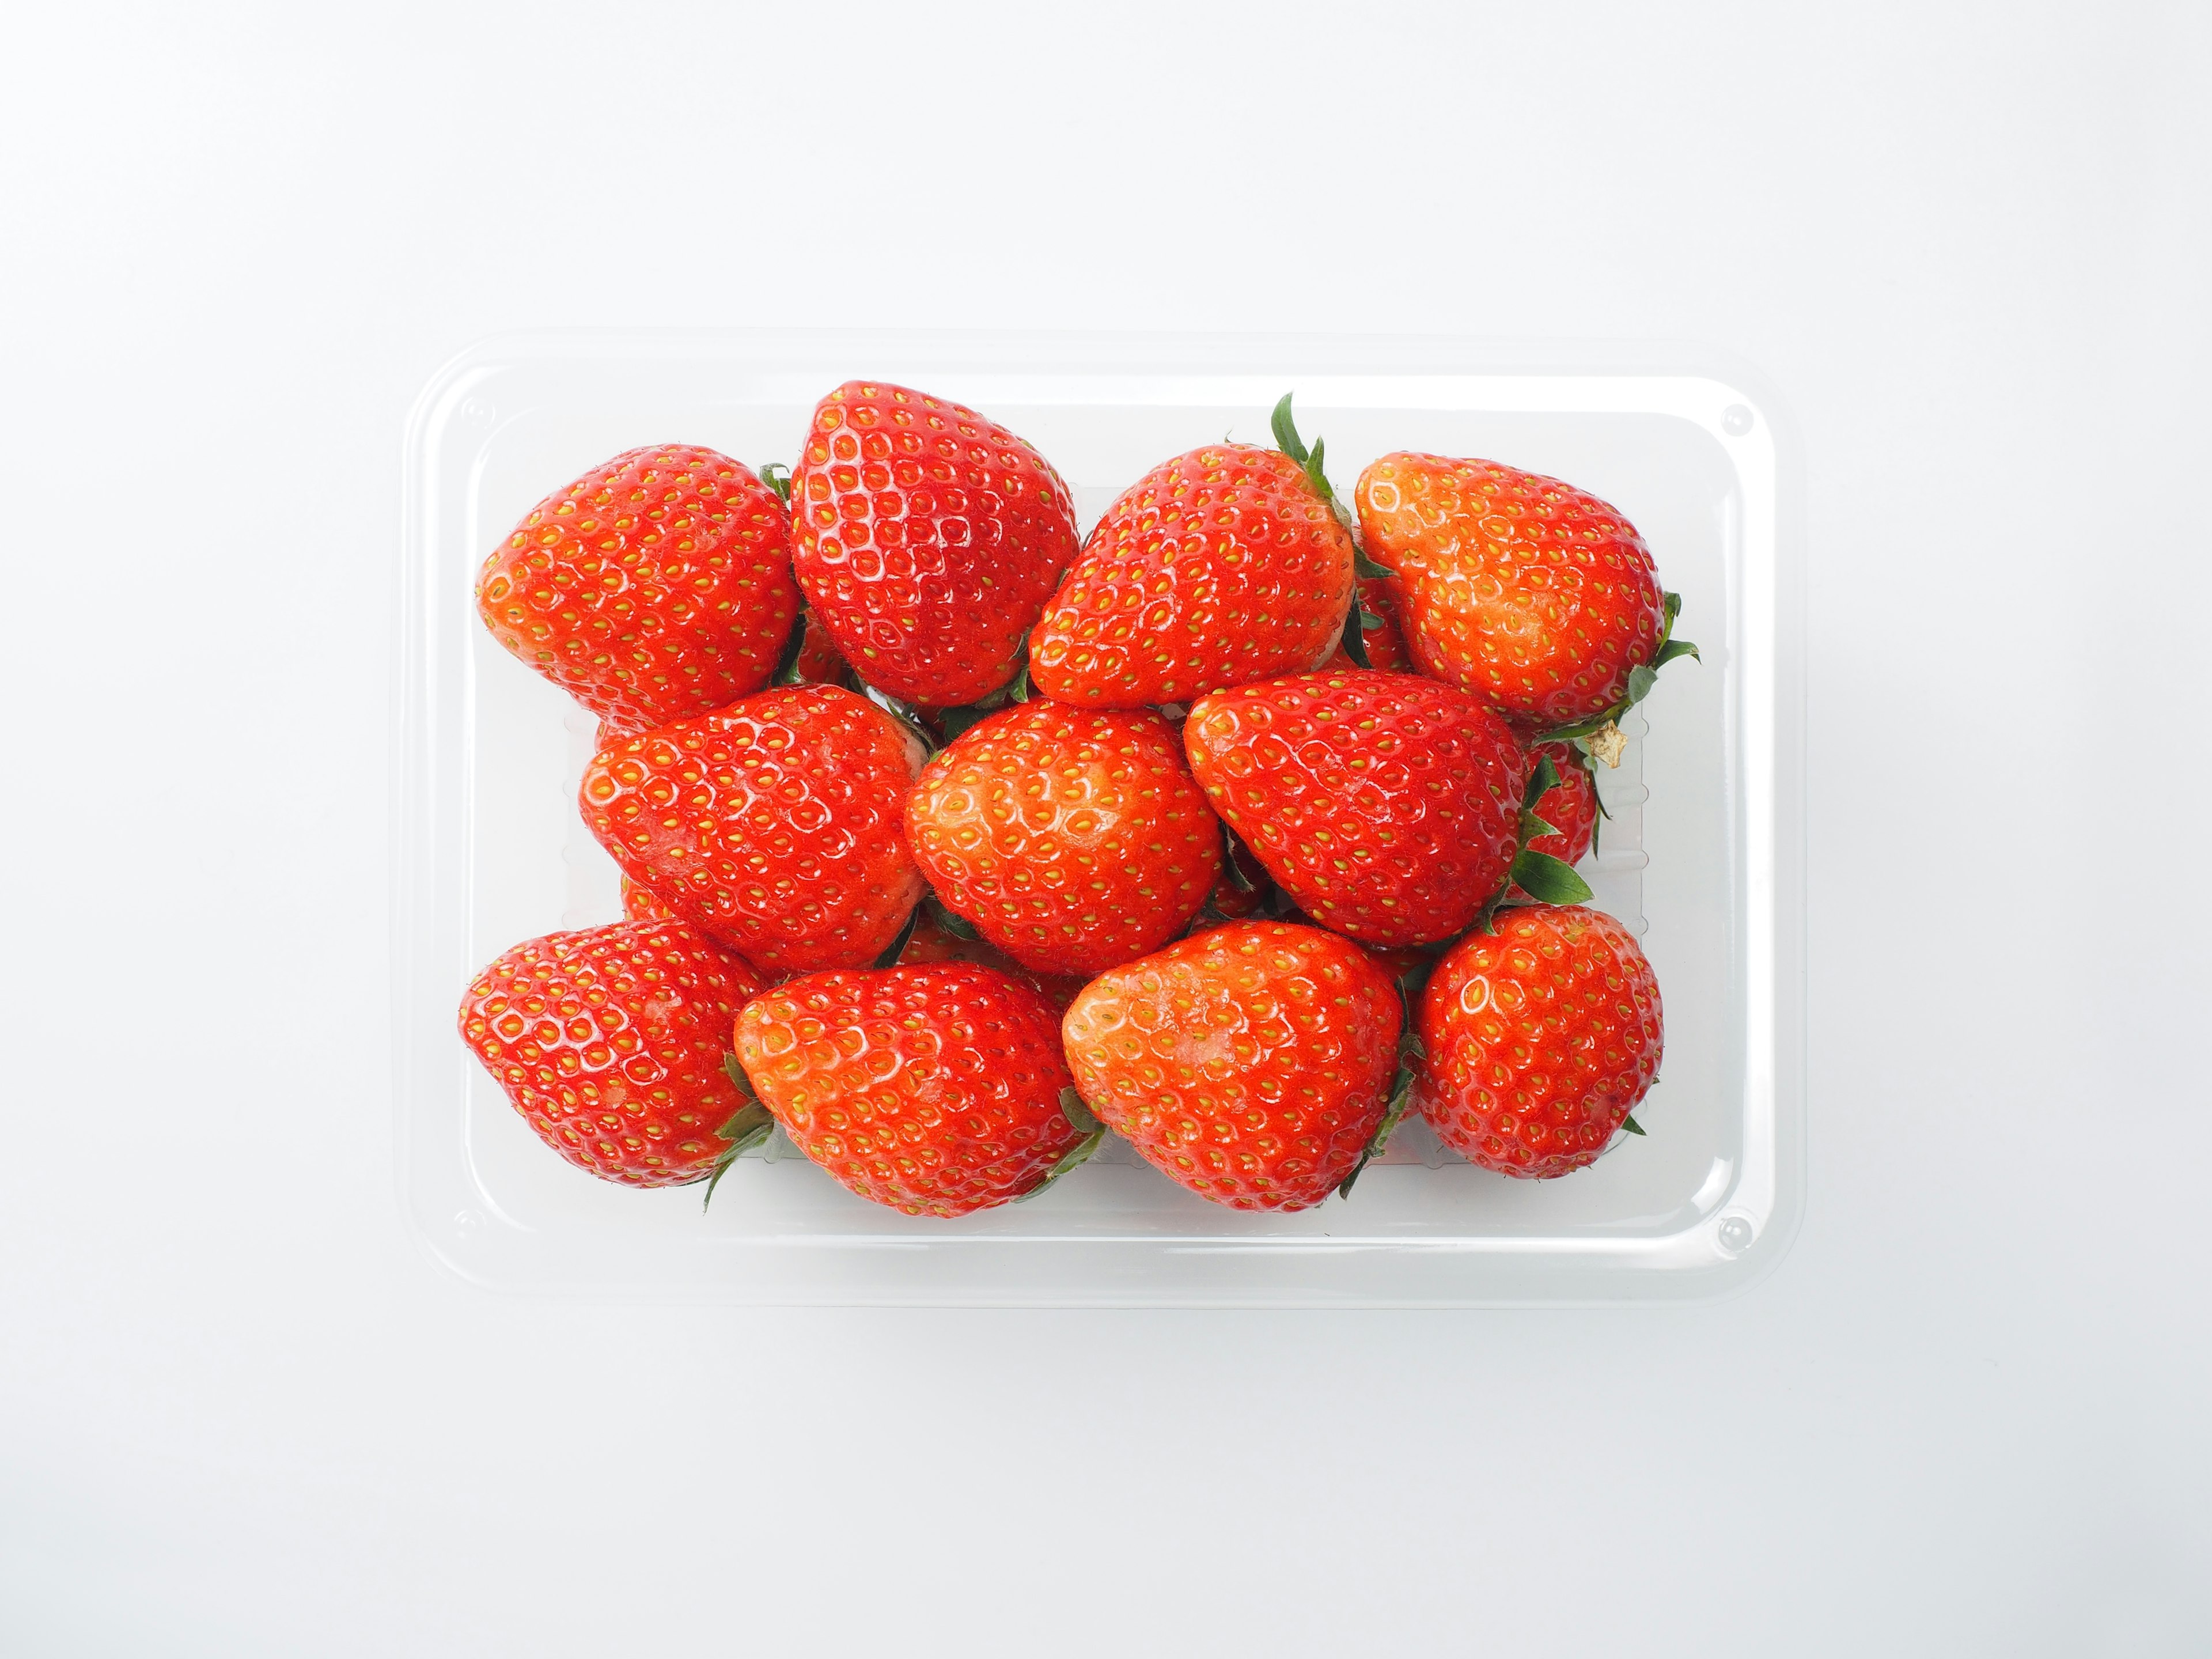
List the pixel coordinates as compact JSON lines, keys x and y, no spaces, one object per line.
{"x":935,"y":940}
{"x":927,"y":538}
{"x":655,"y":587}
{"x":818,"y":662}
{"x":774,"y":825}
{"x":1538,"y":598}
{"x":935,"y":1090}
{"x":1074,"y":840}
{"x":1540,"y":1038}
{"x":611,"y":1043}
{"x":1250,"y":1062}
{"x":1384,"y":644}
{"x":1386,"y":805}
{"x":1218,"y":568}
{"x":1569,"y":806}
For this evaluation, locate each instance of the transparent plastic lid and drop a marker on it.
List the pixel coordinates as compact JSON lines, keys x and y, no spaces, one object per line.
{"x":1701,"y":855}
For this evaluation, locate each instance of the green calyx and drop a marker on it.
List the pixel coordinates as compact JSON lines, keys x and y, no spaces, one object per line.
{"x":1641,"y":679}
{"x":747,"y":1127}
{"x":1085,"y":1123}
{"x":777,"y":477}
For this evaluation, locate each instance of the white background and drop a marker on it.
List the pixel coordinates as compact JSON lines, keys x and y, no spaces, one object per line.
{"x":241,"y":1415}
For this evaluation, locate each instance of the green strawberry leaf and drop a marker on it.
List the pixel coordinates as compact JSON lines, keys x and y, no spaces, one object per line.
{"x":1543,"y":778}
{"x":1401,"y":1095}
{"x":1552,"y":880}
{"x":777,"y":477}
{"x":1077,"y":1110}
{"x":1673,"y":649}
{"x":1287,"y":431}
{"x":1074,"y":1158}
{"x":1670,"y":605}
{"x":1640,"y":682}
{"x":1363,"y":566}
{"x":787,"y":664}
{"x":1629,"y":1124}
{"x":1355,"y":631}
{"x":747,"y":1127}
{"x":1019,"y":690}
{"x":1534,"y":828}
{"x":897,"y":946}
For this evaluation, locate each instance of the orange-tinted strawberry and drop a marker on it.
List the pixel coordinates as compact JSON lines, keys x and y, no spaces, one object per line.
{"x":1218,"y":568}
{"x":927,"y":538}
{"x":611,"y":1043}
{"x":1073,"y":839}
{"x":1535,"y":596}
{"x":1539,"y":1037}
{"x":775,"y":824}
{"x":652,"y":588}
{"x":1251,"y":1062}
{"x":935,"y":1088}
{"x":1387,"y":806}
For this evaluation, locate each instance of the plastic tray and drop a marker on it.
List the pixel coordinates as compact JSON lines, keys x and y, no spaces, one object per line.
{"x":1702,"y":854}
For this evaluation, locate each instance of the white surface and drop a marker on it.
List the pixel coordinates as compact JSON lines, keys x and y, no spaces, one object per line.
{"x":239,"y":1415}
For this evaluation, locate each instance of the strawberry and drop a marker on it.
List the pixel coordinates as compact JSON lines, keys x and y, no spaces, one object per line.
{"x":654,"y":587}
{"x":1250,"y":1062}
{"x":934,"y":1088}
{"x":1540,"y":1039}
{"x":774,"y":825}
{"x":1386,"y":805}
{"x":1074,"y":840}
{"x":1535,"y":596}
{"x":1218,"y":568}
{"x":938,"y":936}
{"x":927,"y":539}
{"x":1384,"y":645}
{"x":611,"y":1043}
{"x":1569,"y":806}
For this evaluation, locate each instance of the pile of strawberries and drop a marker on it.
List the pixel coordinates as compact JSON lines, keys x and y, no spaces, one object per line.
{"x":952,"y":839}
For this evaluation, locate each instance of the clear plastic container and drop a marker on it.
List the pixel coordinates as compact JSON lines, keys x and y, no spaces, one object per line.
{"x":1702,"y":856}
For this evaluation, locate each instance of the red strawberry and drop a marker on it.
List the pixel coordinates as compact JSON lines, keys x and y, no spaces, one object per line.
{"x":1540,"y":1038}
{"x":927,"y":538}
{"x":1387,"y":806}
{"x":653,"y":588}
{"x":934,"y":940}
{"x":1250,"y":1062}
{"x":611,"y":1043}
{"x":1569,"y":806}
{"x":818,"y":663}
{"x":1385,"y":645}
{"x":774,"y":825}
{"x":1536,"y":596}
{"x":1074,"y":840}
{"x":1218,"y":568}
{"x":935,"y":1090}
